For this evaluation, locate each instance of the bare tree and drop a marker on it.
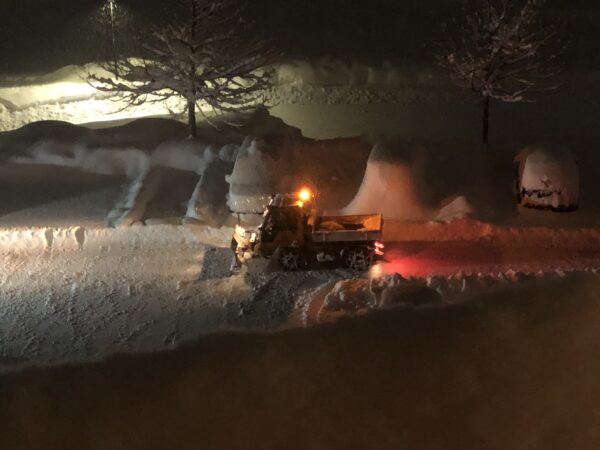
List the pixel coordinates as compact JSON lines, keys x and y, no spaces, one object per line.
{"x":211,"y":57}
{"x":503,"y":52}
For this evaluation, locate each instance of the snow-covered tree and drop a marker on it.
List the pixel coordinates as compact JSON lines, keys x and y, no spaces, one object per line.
{"x":211,"y":56}
{"x":503,"y":52}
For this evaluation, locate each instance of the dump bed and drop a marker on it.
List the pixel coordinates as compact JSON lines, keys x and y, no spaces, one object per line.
{"x":367,"y":227}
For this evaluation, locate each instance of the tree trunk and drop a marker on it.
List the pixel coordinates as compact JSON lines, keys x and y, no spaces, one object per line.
{"x":192,"y":119}
{"x":486,"y":119}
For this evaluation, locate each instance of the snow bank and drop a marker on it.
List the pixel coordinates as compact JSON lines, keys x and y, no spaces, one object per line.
{"x":30,"y":242}
{"x":130,"y":161}
{"x":144,"y":169}
{"x":345,"y":297}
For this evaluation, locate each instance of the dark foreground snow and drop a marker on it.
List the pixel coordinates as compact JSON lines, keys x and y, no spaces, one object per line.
{"x":515,"y":368}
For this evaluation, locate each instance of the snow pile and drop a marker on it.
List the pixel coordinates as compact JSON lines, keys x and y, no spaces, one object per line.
{"x":389,"y":187}
{"x":359,"y":296}
{"x":548,"y":178}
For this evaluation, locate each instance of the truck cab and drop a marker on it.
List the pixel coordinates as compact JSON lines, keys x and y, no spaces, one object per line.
{"x":296,"y":234}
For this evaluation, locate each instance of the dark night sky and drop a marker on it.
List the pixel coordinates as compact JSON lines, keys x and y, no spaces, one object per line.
{"x":39,"y":35}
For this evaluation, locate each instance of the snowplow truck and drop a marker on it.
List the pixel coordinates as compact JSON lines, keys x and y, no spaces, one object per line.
{"x":296,"y":235}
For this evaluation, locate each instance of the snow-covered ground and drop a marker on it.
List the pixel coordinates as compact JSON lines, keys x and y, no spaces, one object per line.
{"x":74,"y":289}
{"x":84,"y":278}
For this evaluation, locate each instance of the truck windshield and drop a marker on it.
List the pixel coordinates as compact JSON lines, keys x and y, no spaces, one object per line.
{"x":279,"y":219}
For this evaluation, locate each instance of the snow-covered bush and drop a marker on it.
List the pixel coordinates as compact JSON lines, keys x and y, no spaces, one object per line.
{"x":548,"y":178}
{"x":259,"y":171}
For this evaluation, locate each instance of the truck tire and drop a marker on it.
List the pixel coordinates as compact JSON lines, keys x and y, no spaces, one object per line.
{"x":358,"y":258}
{"x":290,"y":259}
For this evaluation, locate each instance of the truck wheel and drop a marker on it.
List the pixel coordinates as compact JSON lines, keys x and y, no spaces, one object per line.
{"x":359,"y":258}
{"x":290,"y":259}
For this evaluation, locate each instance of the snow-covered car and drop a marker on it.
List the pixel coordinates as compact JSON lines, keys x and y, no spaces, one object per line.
{"x":548,"y":178}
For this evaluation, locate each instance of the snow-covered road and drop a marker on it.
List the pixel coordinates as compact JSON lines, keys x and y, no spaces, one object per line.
{"x":82,"y":293}
{"x":472,"y":247}
{"x":449,"y":258}
{"x":70,"y":294}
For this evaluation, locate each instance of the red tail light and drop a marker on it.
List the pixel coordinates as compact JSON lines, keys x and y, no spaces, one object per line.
{"x":379,"y":248}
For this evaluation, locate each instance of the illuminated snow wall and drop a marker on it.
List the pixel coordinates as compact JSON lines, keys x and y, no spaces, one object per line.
{"x":330,"y":98}
{"x":65,"y":95}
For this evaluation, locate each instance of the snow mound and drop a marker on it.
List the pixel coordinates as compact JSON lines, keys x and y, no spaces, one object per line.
{"x":388,"y":187}
{"x":392,"y":186}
